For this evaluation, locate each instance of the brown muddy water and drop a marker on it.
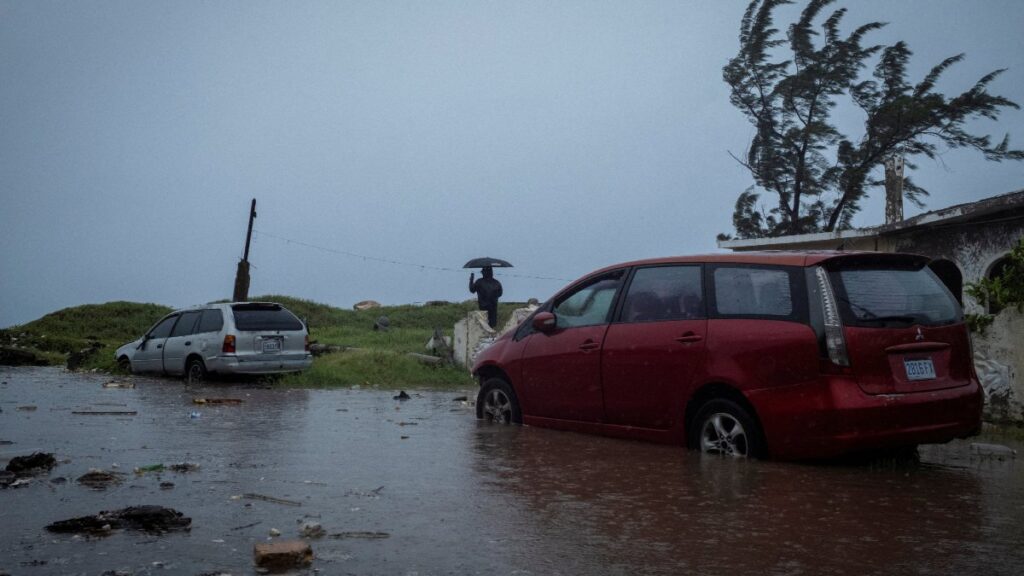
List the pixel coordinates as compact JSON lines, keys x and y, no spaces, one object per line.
{"x":444,"y":494}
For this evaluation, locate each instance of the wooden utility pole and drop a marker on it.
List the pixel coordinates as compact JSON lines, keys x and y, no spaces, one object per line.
{"x":242,"y":275}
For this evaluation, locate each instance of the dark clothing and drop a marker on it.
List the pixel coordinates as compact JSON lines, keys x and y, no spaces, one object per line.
{"x":487,"y":291}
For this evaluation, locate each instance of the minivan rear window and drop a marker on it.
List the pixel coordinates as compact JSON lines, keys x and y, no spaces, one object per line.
{"x":880,"y":295}
{"x":263,"y":317}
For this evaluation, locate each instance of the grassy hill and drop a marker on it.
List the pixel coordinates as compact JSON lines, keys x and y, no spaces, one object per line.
{"x":370,"y":358}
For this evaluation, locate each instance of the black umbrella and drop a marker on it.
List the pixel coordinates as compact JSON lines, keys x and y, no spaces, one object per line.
{"x":487,"y":262}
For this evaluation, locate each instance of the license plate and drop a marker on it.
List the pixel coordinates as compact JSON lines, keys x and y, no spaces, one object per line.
{"x":920,"y":369}
{"x":271,"y":345}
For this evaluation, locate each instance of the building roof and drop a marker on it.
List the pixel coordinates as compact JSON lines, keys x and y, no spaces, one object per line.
{"x":1009,"y":205}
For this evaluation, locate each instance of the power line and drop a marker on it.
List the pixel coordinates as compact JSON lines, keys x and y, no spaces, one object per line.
{"x":394,"y":262}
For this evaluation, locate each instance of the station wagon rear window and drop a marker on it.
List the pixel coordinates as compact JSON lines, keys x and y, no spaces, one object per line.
{"x":880,"y":295}
{"x":264,"y":317}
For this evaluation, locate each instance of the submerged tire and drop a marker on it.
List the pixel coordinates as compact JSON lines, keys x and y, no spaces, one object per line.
{"x":195,"y":371}
{"x":497,"y":402}
{"x":724,"y":427}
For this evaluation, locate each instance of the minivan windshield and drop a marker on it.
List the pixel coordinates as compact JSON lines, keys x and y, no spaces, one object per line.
{"x":262,"y":317}
{"x":881,"y":295}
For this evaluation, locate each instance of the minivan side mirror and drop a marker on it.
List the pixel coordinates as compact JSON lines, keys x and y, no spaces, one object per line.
{"x":545,"y":322}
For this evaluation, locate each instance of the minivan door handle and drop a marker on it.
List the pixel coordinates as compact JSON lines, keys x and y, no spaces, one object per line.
{"x":689,"y":337}
{"x":589,"y":345}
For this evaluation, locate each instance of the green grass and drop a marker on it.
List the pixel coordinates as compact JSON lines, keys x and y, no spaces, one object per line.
{"x":105,"y":326}
{"x":372,"y":357}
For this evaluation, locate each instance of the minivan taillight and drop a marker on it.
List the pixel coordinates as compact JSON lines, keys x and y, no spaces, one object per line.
{"x":229,"y":344}
{"x":835,"y":342}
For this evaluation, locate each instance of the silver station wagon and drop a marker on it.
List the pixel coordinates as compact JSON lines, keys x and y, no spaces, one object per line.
{"x":230,"y":338}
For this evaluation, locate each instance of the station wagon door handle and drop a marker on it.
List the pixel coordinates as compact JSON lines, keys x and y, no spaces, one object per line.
{"x":689,"y":337}
{"x":188,"y":343}
{"x":589,"y":345}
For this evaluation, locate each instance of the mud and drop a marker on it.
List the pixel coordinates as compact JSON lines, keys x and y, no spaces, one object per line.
{"x":460,"y":497}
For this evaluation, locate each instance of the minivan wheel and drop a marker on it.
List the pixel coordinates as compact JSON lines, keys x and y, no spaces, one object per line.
{"x":724,"y":427}
{"x":497,"y":403}
{"x":195,"y":371}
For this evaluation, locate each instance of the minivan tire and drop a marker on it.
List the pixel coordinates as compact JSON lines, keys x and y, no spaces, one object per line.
{"x":724,"y":427}
{"x":497,"y":402}
{"x":195,"y":371}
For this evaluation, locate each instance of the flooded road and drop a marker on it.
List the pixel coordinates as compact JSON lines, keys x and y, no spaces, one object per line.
{"x":420,"y":487}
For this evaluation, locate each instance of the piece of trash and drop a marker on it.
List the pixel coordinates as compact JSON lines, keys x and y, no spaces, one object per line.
{"x":404,"y":437}
{"x":994,"y":450}
{"x":236,"y":528}
{"x":5,"y":442}
{"x":194,"y":415}
{"x":217,"y":400}
{"x":217,"y":540}
{"x":166,"y":485}
{"x":282,"y":555}
{"x":104,"y":412}
{"x":274,"y":532}
{"x":35,"y":462}
{"x":146,"y":518}
{"x":100,"y":479}
{"x":183,"y":468}
{"x":20,"y":482}
{"x":364,"y":535}
{"x":403,"y":423}
{"x":402,"y":396}
{"x":460,"y":399}
{"x":150,"y":468}
{"x":251,"y":496}
{"x":119,"y":384}
{"x":27,"y":408}
{"x":311,"y":530}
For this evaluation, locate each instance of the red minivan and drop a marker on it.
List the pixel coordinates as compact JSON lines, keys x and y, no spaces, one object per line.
{"x":785,"y":355}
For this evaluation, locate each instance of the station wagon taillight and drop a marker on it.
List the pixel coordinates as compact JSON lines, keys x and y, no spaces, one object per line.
{"x":307,"y":342}
{"x":229,"y":344}
{"x":835,"y":342}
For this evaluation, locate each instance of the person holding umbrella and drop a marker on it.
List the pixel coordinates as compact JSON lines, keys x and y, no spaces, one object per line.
{"x":487,"y":289}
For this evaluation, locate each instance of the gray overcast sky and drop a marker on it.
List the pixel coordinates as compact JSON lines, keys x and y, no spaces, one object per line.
{"x":562,"y":136}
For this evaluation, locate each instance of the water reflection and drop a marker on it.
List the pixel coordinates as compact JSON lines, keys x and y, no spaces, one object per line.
{"x":601,"y":504}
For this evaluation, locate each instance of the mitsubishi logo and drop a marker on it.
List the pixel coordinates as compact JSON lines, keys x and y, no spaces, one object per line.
{"x":920,"y":335}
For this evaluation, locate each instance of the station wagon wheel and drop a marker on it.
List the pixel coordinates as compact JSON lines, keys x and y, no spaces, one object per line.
{"x":195,"y":371}
{"x":497,"y":403}
{"x":124,"y":364}
{"x":724,"y":427}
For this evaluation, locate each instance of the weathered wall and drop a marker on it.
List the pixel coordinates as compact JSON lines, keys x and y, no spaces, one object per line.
{"x":999,"y":358}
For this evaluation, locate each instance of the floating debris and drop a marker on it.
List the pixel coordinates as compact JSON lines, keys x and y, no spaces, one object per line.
{"x":119,"y":384}
{"x":311,"y":530}
{"x":183,"y":468}
{"x":146,"y":518}
{"x":217,"y":400}
{"x":251,"y":496}
{"x":104,"y":412}
{"x":401,"y":396}
{"x":282,"y":555}
{"x":151,"y":468}
{"x":363,"y":535}
{"x":28,"y":408}
{"x":100,"y":479}
{"x":35,"y":462}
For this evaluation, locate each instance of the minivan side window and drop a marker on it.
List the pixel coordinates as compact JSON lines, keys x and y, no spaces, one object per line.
{"x":755,"y":291}
{"x":163,"y":329}
{"x":186,"y":324}
{"x":211,"y":321}
{"x":588,"y":305}
{"x":664,"y":293}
